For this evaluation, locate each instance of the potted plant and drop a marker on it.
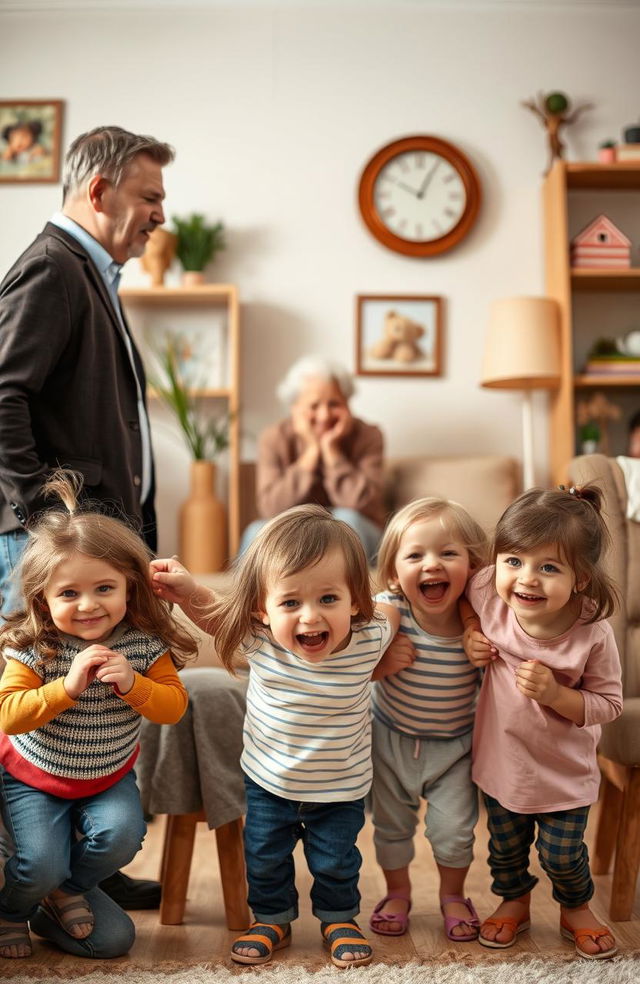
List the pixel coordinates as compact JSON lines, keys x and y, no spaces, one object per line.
{"x":202,"y":521}
{"x":197,"y":244}
{"x":589,"y":437}
{"x":607,"y":152}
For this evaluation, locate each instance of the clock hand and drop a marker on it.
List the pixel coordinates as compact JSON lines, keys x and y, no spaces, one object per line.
{"x":406,"y":187}
{"x":427,"y":179}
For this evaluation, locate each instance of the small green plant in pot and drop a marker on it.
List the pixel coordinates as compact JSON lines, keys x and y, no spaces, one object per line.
{"x":204,"y":435}
{"x":202,"y":521}
{"x":197,"y":243}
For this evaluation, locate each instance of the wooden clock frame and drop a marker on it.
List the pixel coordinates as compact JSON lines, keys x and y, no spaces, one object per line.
{"x":371,"y":217}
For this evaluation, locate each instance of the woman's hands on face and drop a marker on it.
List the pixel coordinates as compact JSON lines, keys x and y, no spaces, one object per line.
{"x":301,"y":420}
{"x":331,"y":440}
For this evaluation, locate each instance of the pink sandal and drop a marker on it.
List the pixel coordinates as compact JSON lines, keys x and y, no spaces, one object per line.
{"x":378,"y":916}
{"x":450,"y":922}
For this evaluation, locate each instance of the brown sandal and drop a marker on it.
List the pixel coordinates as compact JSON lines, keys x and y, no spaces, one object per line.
{"x":72,"y":910}
{"x":14,"y":935}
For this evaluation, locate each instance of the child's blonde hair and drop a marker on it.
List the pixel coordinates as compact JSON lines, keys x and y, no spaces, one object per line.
{"x":54,"y":536}
{"x":299,"y":537}
{"x":455,"y":519}
{"x":570,"y":519}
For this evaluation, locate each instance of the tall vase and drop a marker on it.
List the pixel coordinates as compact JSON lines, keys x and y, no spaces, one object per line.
{"x":203,"y":523}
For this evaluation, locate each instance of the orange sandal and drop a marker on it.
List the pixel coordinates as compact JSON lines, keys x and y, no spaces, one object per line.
{"x":346,"y":937}
{"x":264,"y":937}
{"x":578,"y":935}
{"x":516,"y":926}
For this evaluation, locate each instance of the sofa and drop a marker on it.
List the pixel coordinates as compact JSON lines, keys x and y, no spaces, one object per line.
{"x":483,"y":484}
{"x":619,"y":749}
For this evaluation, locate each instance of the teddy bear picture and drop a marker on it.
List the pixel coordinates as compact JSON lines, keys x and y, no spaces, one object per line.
{"x":399,"y":339}
{"x":399,"y":335}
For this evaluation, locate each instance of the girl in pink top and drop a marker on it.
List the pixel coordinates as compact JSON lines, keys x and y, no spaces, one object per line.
{"x":552,"y":678}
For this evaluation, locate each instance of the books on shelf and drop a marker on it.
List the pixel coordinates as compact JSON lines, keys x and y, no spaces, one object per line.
{"x":612,"y":365}
{"x":628,"y":152}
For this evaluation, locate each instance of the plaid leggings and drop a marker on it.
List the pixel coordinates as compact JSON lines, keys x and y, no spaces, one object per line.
{"x":560,"y":845}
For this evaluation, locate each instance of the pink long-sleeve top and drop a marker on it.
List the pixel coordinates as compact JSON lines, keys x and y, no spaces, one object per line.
{"x":525,"y":755}
{"x":355,"y":482}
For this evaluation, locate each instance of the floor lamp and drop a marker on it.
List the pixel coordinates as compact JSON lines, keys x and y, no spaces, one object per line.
{"x":522,"y":351}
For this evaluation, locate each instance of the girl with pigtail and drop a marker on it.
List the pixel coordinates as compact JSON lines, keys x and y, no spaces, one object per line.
{"x":92,"y":650}
{"x":552,"y":677}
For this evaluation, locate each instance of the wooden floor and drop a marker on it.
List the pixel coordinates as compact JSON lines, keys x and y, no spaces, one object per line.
{"x":204,"y":939}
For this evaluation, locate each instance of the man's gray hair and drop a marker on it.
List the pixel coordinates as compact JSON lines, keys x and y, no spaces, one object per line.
{"x":313,"y":367}
{"x":108,"y":151}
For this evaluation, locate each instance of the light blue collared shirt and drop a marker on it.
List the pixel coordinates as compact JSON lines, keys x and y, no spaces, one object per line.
{"x":109,"y":270}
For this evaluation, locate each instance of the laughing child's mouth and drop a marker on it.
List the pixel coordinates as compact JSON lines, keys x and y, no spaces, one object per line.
{"x":434,"y":590}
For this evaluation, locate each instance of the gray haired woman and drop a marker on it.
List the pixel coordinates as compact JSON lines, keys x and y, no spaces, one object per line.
{"x":320,"y":453}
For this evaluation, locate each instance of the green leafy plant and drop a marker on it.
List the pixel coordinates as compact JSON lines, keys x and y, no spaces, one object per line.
{"x":589,"y":432}
{"x":205,"y":436}
{"x":607,"y":143}
{"x":197,"y":242}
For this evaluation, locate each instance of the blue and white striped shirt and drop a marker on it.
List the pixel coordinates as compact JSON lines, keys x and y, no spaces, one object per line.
{"x":435,"y":697}
{"x":307,"y":733}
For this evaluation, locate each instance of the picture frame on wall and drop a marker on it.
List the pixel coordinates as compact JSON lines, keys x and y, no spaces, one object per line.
{"x":30,"y":139}
{"x":399,"y":335}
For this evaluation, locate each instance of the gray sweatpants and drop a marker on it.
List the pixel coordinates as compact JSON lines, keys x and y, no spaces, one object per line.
{"x":408,"y":769}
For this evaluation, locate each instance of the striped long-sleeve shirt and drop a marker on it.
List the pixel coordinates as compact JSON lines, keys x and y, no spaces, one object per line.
{"x":434,"y":697}
{"x":307,"y":733}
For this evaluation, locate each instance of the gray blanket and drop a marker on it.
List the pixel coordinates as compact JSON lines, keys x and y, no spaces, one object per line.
{"x":195,"y":764}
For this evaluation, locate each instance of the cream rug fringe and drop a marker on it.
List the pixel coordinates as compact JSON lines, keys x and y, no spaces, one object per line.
{"x":619,"y":970}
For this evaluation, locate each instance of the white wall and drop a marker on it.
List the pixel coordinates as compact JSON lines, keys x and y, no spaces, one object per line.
{"x":274,"y":110}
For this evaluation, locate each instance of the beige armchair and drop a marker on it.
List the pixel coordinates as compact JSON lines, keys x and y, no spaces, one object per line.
{"x":619,"y":750}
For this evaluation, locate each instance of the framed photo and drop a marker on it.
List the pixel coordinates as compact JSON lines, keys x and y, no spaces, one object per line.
{"x":398,"y":335}
{"x":30,"y":134}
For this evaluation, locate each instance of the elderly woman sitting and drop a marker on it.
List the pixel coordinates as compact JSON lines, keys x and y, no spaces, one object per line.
{"x":320,"y":453}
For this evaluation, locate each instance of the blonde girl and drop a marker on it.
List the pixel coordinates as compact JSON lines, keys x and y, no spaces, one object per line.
{"x":552,"y":678}
{"x":300,"y":607}
{"x":93,"y":649}
{"x":423,"y":715}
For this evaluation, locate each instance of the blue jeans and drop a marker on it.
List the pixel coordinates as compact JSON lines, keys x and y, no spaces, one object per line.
{"x":113,"y":934}
{"x":48,"y":853}
{"x":328,"y":832}
{"x":12,"y":546}
{"x":366,"y":529}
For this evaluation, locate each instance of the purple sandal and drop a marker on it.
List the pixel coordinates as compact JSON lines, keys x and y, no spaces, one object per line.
{"x":450,"y":922}
{"x":378,"y":916}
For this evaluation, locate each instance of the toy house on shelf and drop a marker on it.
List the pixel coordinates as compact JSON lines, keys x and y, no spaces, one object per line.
{"x":601,"y":245}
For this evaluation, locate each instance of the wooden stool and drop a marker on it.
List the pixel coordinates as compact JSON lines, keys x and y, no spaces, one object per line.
{"x":177,"y":853}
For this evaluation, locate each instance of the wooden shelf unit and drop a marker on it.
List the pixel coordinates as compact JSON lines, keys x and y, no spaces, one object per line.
{"x":565,"y":283}
{"x":209,"y":295}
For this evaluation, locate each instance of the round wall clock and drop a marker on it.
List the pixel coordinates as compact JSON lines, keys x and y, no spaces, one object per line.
{"x":419,"y":195}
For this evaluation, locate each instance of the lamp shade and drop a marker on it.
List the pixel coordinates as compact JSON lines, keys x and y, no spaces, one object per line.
{"x":522,"y":348}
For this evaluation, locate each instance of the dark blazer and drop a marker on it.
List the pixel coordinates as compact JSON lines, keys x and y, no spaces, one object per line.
{"x":67,"y":391}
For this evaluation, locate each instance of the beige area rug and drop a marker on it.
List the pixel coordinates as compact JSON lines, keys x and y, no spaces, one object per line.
{"x":620,"y":970}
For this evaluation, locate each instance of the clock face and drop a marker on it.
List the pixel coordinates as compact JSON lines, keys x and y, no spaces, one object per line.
{"x":419,"y":195}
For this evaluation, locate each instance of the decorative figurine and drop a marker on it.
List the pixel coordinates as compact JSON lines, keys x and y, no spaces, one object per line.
{"x":553,"y":112}
{"x":158,"y":255}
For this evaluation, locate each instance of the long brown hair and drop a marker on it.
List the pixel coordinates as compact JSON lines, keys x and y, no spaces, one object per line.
{"x":54,"y":536}
{"x":572,"y":520}
{"x":297,"y":538}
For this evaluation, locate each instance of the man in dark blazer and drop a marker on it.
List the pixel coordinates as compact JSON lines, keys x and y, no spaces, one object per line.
{"x":72,"y":385}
